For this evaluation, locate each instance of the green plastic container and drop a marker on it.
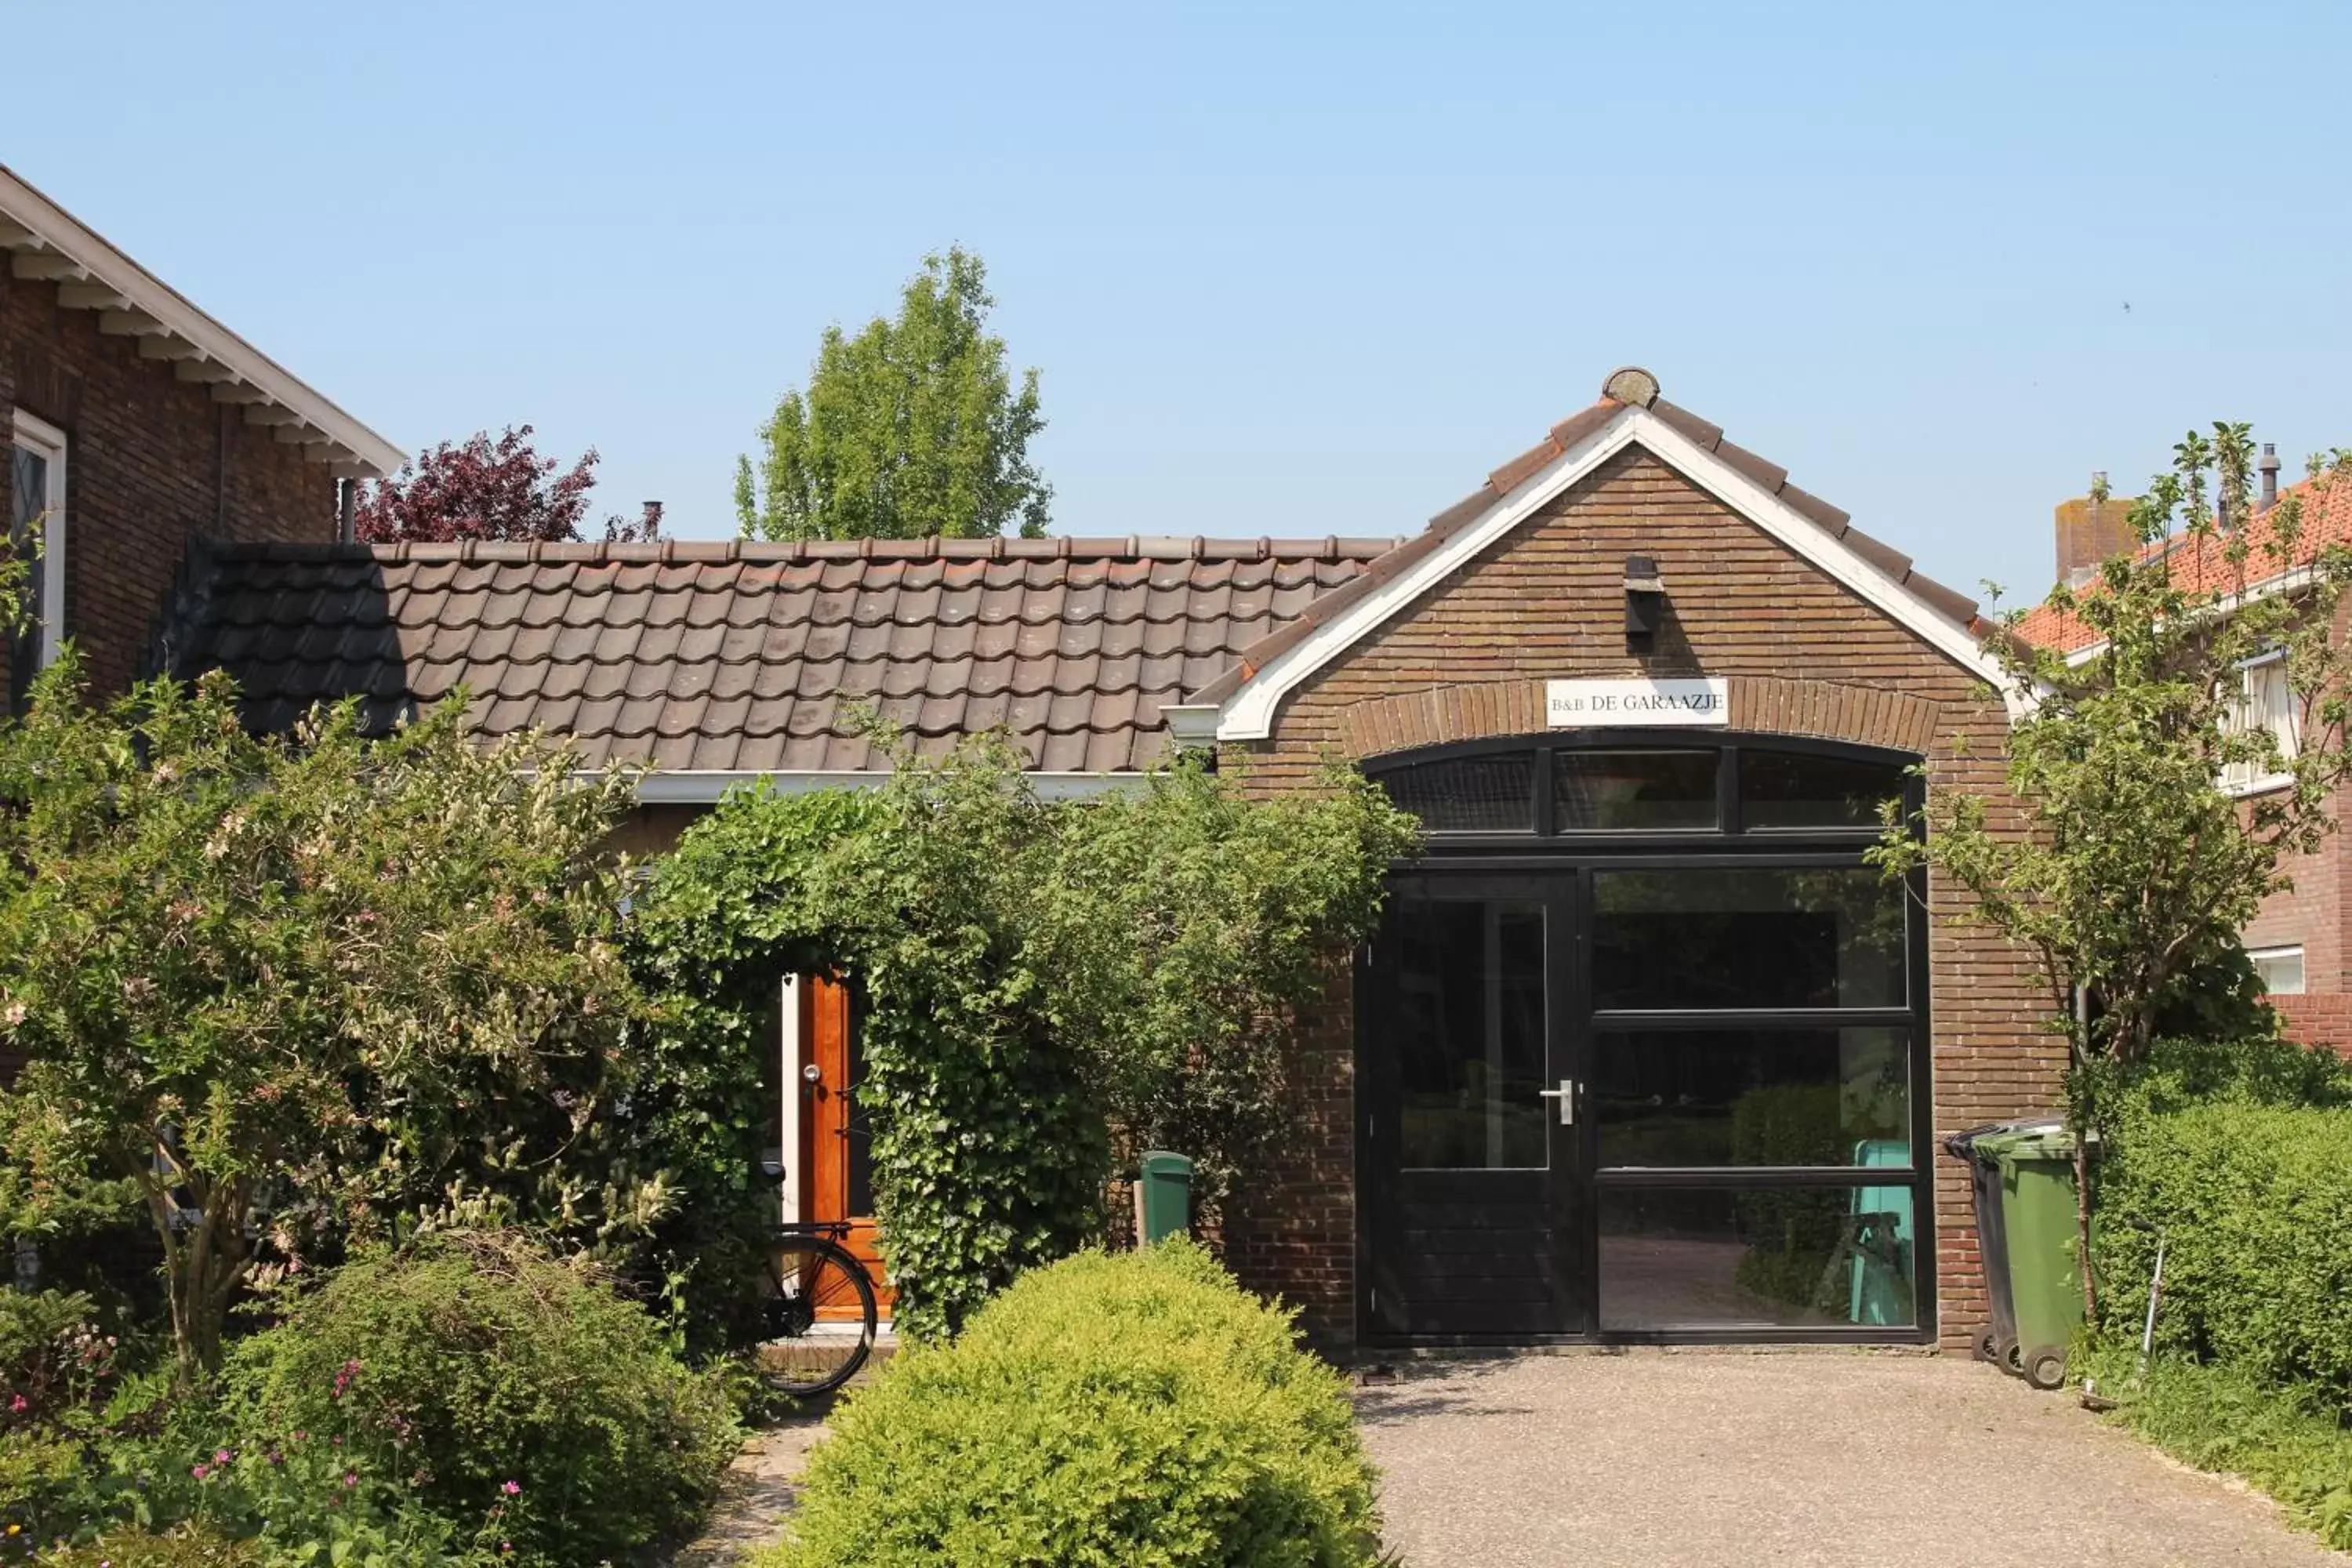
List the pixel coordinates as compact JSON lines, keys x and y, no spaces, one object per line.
{"x":1164,"y":1195}
{"x":2045,"y":1271}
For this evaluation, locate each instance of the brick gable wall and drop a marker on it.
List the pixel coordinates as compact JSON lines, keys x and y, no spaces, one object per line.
{"x":1804,"y":655}
{"x":2313,"y":914}
{"x":151,"y":462}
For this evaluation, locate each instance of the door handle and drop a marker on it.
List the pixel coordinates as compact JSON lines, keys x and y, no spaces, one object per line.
{"x":1566,"y":1095}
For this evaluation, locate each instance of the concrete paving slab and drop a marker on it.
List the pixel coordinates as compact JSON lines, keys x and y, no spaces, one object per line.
{"x":1807,"y":1459}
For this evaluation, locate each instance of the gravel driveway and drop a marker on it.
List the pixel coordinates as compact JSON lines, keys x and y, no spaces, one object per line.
{"x":1656,"y":1459}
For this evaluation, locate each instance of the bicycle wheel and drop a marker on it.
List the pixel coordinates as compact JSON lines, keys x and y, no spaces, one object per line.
{"x":818,"y":1315}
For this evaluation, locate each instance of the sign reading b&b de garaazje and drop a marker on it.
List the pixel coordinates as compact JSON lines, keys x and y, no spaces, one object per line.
{"x":1674,"y":700}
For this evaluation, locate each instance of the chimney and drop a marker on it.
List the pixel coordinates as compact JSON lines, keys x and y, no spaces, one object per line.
{"x":2270,"y":466}
{"x":2090,"y":529}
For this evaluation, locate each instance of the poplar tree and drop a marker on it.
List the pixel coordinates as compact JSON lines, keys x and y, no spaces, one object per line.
{"x":911,"y":428}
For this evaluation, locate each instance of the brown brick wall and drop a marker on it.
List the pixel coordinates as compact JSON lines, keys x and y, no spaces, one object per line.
{"x":653,"y":830}
{"x":2312,"y":914}
{"x":2317,"y":1020}
{"x":1804,"y":656}
{"x":151,"y":462}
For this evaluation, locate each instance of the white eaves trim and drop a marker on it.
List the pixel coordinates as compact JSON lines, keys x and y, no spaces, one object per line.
{"x":54,"y":245}
{"x":704,"y":787}
{"x":1249,"y":713}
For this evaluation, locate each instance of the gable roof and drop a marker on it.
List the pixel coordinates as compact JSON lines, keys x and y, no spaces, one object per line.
{"x":722,"y":659}
{"x":1243,"y":705}
{"x":2201,"y":565}
{"x":46,"y":243}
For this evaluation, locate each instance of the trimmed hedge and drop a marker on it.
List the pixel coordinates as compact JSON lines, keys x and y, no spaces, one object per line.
{"x":1131,"y":1408}
{"x":2253,"y":1203}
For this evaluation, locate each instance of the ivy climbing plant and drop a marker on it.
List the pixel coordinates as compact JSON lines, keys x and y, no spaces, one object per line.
{"x":1039,"y":985}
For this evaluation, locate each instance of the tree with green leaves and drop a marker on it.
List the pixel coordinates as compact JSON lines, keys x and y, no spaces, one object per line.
{"x":2129,"y":868}
{"x":282,"y":991}
{"x":909,"y":429}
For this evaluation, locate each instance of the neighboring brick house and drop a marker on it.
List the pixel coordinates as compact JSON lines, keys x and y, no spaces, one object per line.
{"x":1644,"y":1050}
{"x":140,"y":424}
{"x":2301,"y":941}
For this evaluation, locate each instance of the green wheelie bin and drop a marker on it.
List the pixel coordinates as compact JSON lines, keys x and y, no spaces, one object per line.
{"x":1163,"y":1196}
{"x":2045,"y":1270}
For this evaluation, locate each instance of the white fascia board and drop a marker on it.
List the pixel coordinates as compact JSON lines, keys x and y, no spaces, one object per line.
{"x":60,"y":231}
{"x":1250,"y":713}
{"x":704,"y":787}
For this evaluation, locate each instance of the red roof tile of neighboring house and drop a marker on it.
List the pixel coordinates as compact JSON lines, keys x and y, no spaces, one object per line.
{"x":2201,"y":565}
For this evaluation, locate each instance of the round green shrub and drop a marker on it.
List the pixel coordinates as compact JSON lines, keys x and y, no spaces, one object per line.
{"x":536,"y":1406}
{"x":1111,"y":1409}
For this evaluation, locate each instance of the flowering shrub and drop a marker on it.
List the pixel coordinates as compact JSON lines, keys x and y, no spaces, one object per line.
{"x":59,"y":1370}
{"x":53,"y":1358}
{"x":299,"y":1498}
{"x":535,"y":1411}
{"x":285,"y":989}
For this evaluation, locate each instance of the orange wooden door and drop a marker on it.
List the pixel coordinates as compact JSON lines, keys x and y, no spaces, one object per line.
{"x":836,"y":1149}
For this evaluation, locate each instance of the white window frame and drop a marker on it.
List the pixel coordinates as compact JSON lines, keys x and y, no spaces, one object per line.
{"x":2256,"y":955}
{"x":37,"y":435}
{"x":2237,"y":779}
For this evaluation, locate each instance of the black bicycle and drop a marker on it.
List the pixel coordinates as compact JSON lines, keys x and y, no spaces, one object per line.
{"x":817,"y":1313}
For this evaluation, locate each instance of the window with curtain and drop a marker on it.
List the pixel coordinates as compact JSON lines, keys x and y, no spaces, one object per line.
{"x":37,"y":530}
{"x":2266,"y":701}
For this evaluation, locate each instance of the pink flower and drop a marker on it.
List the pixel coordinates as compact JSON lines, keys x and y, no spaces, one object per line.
{"x":18,"y":1404}
{"x":350,"y":1479}
{"x":512,"y":1489}
{"x":220,"y":1455}
{"x":200,"y":1471}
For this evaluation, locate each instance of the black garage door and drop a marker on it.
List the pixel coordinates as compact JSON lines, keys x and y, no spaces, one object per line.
{"x":1641,"y":1048}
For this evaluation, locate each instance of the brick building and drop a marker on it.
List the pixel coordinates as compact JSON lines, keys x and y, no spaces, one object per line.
{"x":139,"y":424}
{"x":1644,"y":1050}
{"x":2301,"y":941}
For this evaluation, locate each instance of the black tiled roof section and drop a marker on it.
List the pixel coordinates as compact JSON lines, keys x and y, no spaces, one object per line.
{"x":757,"y":656}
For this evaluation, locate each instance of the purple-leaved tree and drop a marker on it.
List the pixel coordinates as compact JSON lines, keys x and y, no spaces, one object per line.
{"x":489,"y":490}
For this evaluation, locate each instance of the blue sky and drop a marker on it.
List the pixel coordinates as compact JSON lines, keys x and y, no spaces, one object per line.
{"x":1285,"y":269}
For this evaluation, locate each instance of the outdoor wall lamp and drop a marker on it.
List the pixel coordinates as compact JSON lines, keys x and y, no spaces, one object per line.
{"x":1645,"y":602}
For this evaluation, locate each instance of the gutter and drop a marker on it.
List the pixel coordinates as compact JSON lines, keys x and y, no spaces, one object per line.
{"x":704,"y":787}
